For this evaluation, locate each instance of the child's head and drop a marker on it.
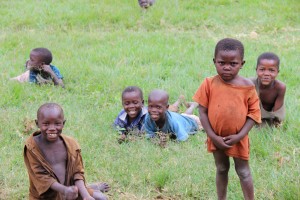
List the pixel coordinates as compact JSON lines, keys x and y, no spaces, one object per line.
{"x":229,"y":58}
{"x":50,"y":120}
{"x":158,"y":104}
{"x":267,"y":68}
{"x":132,"y":101}
{"x":38,"y":58}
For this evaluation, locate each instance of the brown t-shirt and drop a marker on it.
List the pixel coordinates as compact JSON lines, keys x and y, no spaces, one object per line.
{"x":41,"y":175}
{"x":228,"y":108}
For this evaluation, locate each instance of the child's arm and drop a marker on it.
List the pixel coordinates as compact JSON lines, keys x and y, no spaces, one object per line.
{"x":217,"y":140}
{"x":83,"y":191}
{"x":69,"y":192}
{"x":56,"y":80}
{"x":233,"y":139}
{"x":280,"y":97}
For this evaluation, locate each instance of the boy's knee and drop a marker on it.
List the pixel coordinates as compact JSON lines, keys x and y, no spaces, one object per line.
{"x":222,"y":169}
{"x":243,"y":173}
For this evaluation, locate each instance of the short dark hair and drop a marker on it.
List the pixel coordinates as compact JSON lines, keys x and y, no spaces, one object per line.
{"x":268,"y":56}
{"x":133,"y":89}
{"x":45,"y":54}
{"x":51,"y":106}
{"x":229,"y":44}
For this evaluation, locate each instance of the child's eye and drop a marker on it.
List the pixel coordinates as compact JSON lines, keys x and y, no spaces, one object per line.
{"x":233,"y":64}
{"x":221,"y":63}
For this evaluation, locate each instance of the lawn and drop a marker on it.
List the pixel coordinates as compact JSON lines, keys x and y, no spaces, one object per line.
{"x":103,"y":46}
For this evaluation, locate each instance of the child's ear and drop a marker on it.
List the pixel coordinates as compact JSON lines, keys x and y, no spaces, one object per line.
{"x":242,"y":64}
{"x":214,"y":60}
{"x":143,"y":102}
{"x":64,"y":122}
{"x":168,"y":106}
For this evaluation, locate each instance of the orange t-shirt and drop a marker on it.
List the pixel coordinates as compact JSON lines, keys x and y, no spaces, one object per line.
{"x":228,"y":108}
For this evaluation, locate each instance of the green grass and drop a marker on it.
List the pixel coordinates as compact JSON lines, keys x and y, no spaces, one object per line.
{"x":103,"y":46}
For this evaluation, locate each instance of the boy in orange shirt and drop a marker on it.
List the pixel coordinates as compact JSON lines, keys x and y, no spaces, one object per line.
{"x":229,"y":107}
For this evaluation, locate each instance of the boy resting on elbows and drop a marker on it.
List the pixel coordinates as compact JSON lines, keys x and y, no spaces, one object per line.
{"x":40,"y":70}
{"x":131,"y":118}
{"x":270,"y":90}
{"x":229,"y":107}
{"x":160,"y":119}
{"x":54,"y":163}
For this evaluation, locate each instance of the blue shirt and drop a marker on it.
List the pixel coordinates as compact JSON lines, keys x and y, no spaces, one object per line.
{"x":122,"y":124}
{"x":177,"y":124}
{"x":33,"y":74}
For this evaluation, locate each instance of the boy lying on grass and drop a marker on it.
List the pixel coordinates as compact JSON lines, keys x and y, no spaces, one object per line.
{"x":270,"y":90}
{"x":131,"y":118}
{"x":160,"y":119}
{"x":54,"y":163}
{"x":40,"y":70}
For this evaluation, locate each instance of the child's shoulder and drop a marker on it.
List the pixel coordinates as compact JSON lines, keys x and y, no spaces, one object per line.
{"x":246,"y":81}
{"x":279,"y":85}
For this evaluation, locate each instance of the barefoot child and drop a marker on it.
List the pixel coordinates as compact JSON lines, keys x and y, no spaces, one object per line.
{"x":131,"y":118}
{"x":40,"y":70}
{"x":160,"y":119}
{"x":229,"y":107}
{"x":54,"y":162}
{"x":270,"y":91}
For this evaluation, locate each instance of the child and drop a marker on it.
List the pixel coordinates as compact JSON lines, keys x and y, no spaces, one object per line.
{"x":131,"y":118}
{"x":146,"y":3}
{"x":229,"y":107}
{"x":39,"y":69}
{"x":270,"y":91}
{"x":160,"y":119}
{"x":54,"y":161}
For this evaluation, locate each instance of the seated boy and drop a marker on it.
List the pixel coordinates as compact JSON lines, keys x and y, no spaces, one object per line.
{"x":39,"y":69}
{"x":270,"y":91}
{"x":53,"y":160}
{"x":160,"y":119}
{"x":131,"y":118}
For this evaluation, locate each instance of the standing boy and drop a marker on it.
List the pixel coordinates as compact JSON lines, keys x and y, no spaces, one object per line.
{"x":229,"y":107}
{"x":131,"y":118}
{"x":53,"y":160}
{"x":40,"y":70}
{"x":270,"y":91}
{"x":160,"y":119}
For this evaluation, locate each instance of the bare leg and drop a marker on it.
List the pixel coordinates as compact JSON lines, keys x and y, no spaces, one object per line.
{"x":175,"y":106}
{"x":97,"y":195}
{"x":191,"y":107}
{"x":223,"y":165}
{"x":243,"y":170}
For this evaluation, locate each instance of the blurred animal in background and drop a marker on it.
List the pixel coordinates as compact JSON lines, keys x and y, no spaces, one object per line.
{"x":146,"y":3}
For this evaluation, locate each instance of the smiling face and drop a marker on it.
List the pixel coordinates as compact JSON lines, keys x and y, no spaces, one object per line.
{"x":157,"y":106}
{"x":228,"y":64}
{"x":51,"y":122}
{"x":132,"y":103}
{"x":267,"y":71}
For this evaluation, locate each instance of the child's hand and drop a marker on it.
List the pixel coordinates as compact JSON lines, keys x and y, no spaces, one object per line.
{"x":71,"y":192}
{"x":46,"y":68}
{"x":220,"y":143}
{"x":231,"y":139}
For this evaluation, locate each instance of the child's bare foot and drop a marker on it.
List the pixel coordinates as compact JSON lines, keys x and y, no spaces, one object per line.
{"x":175,"y":106}
{"x":103,"y":187}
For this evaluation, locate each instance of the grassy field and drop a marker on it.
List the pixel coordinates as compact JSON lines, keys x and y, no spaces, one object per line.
{"x":103,"y":46}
